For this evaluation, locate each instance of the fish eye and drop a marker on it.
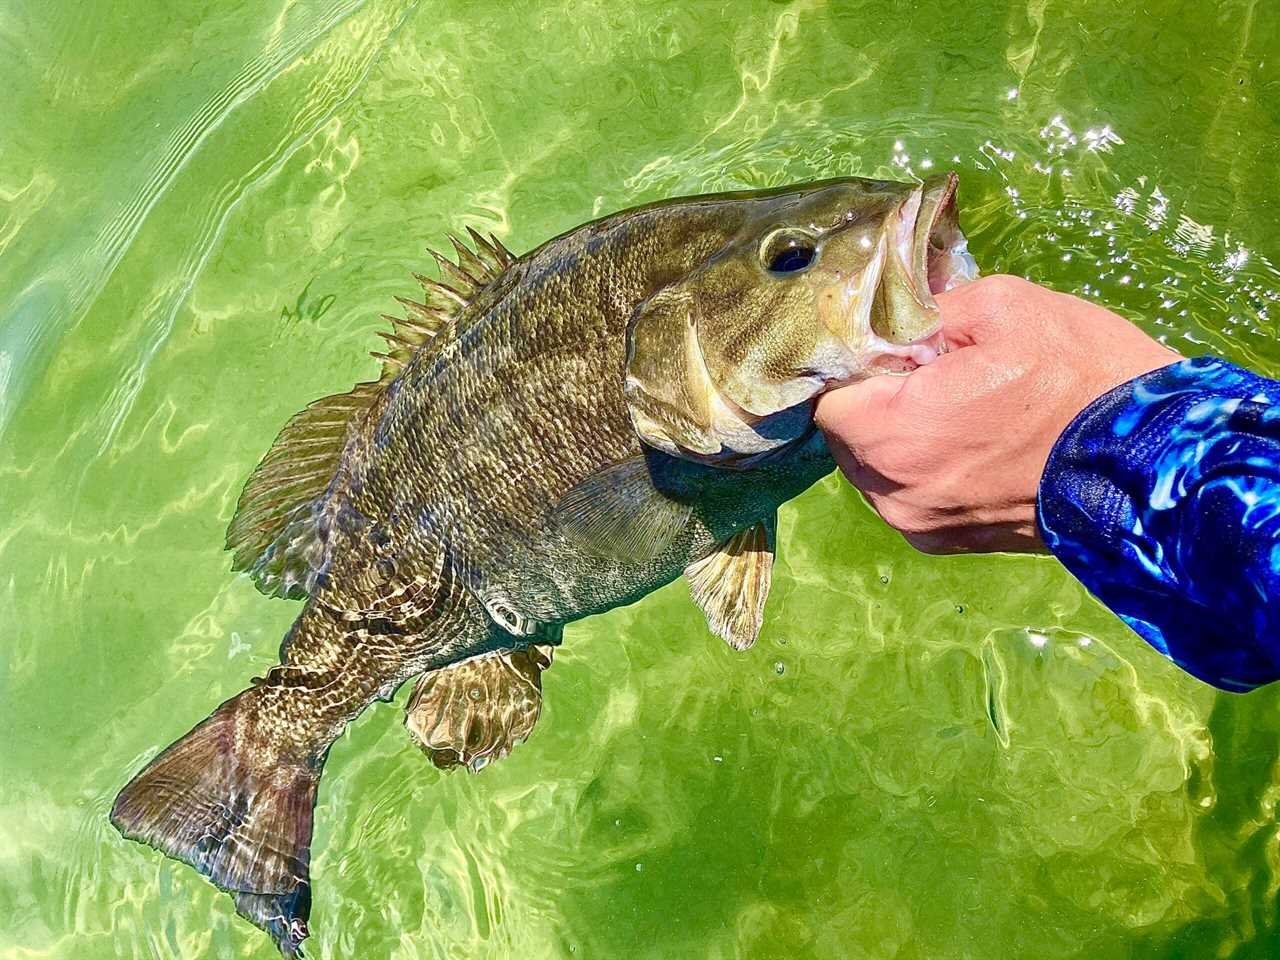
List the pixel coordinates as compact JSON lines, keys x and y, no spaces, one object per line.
{"x":788,"y":251}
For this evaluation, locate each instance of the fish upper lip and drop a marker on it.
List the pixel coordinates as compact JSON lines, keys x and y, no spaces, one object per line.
{"x":932,"y":243}
{"x":945,"y":202}
{"x":942,"y":246}
{"x":945,"y":239}
{"x":936,"y":260}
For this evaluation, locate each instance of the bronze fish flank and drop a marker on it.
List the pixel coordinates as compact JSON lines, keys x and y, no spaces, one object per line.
{"x":552,"y":435}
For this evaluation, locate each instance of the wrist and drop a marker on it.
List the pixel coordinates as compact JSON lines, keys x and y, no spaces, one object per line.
{"x":1092,"y":463}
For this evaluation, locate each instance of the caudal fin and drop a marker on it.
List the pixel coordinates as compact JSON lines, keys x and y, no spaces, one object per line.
{"x":231,"y":809}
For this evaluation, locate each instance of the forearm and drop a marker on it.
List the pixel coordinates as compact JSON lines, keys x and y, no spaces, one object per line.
{"x":1163,"y":498}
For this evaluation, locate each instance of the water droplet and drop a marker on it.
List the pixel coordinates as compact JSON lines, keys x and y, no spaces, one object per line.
{"x":783,"y":641}
{"x":959,"y":608}
{"x":639,"y":867}
{"x":474,"y":693}
{"x":779,"y":668}
{"x":884,"y":578}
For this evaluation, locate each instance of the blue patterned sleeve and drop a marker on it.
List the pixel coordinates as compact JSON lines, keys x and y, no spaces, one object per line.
{"x":1163,"y":498}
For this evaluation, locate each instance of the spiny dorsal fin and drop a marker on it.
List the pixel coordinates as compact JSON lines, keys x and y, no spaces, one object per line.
{"x":732,"y":584}
{"x":436,"y":318}
{"x":496,"y":257}
{"x":280,"y":530}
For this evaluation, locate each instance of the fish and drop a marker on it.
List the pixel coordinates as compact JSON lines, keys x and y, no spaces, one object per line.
{"x":550,"y":436}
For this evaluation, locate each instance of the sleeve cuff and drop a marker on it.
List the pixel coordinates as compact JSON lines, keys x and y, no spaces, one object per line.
{"x":1123,"y":500}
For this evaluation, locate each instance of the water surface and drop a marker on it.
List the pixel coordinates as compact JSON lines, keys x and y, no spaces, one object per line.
{"x":203,"y":210}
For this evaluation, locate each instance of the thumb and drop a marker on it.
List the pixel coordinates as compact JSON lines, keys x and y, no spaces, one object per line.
{"x":987,"y":309}
{"x":851,"y":415}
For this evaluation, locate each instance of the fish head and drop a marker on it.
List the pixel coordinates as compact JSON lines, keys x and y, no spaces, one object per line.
{"x":800,"y":291}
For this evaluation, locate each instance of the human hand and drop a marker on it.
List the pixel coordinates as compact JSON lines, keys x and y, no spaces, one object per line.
{"x":951,"y":454}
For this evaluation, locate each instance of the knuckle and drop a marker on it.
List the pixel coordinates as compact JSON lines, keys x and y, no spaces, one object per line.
{"x":898,"y":462}
{"x":890,"y":512}
{"x":906,"y":521}
{"x":1002,"y":288}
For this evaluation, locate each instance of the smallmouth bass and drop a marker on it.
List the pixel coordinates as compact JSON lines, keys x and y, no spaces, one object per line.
{"x":552,"y":436}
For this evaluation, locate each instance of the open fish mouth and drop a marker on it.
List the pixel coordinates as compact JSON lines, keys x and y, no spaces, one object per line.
{"x":928,"y":255}
{"x":948,"y":262}
{"x":884,"y":316}
{"x":725,"y":381}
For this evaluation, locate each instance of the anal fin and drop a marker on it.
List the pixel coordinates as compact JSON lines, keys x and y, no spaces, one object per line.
{"x":476,"y":711}
{"x":731,"y":584}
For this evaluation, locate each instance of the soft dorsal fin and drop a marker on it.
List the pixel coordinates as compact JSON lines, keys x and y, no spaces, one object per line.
{"x":276,"y":533}
{"x":732,"y":583}
{"x":279,"y":532}
{"x":618,"y":512}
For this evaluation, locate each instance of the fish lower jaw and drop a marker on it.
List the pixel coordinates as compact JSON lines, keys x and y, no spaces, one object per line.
{"x":887,"y":357}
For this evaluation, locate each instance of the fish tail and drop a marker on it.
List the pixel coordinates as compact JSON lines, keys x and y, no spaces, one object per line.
{"x":237,"y":808}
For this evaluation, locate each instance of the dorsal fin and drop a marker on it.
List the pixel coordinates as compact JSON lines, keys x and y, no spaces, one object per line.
{"x":280,"y":529}
{"x":277,"y":533}
{"x":435,"y":320}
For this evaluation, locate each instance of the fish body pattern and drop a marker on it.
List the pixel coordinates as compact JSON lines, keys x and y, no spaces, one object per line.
{"x":552,"y":436}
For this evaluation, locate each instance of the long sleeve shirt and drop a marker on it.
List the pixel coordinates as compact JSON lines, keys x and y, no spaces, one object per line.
{"x":1163,"y":498}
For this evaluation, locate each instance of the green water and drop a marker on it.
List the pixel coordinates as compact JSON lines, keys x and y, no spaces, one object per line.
{"x":203,"y":209}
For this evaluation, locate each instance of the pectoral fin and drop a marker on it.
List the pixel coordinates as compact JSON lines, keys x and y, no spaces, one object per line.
{"x":618,"y":512}
{"x":732,"y":584}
